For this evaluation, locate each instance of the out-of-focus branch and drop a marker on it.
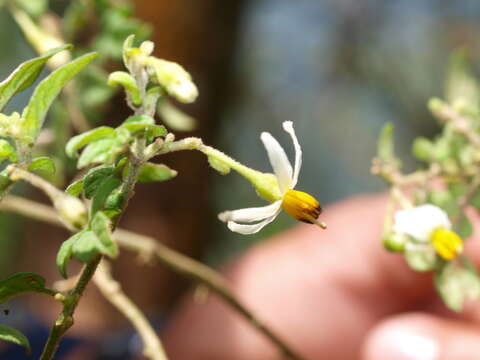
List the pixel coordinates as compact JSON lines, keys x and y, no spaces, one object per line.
{"x":149,"y":248}
{"x":112,"y":290}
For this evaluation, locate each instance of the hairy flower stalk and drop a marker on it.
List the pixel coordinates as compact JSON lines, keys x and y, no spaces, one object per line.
{"x":297,"y":204}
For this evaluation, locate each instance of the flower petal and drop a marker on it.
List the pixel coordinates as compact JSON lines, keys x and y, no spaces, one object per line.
{"x":247,"y":229}
{"x":279,"y":161}
{"x":251,"y":214}
{"x":288,"y":127}
{"x":419,"y":222}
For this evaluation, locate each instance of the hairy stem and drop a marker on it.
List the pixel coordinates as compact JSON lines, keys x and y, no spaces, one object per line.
{"x":112,"y":290}
{"x":149,"y":248}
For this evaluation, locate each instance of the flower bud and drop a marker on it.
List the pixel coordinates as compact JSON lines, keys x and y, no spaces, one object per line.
{"x":71,"y":210}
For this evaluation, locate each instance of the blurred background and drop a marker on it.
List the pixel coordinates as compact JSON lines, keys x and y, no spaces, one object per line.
{"x":339,"y":69}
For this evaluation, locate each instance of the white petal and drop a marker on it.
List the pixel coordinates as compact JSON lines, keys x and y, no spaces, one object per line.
{"x":420,"y":221}
{"x":251,"y":228}
{"x":279,"y":161}
{"x":251,"y":214}
{"x":288,"y":127}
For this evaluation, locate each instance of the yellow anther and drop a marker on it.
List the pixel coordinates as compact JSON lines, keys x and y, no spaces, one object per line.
{"x":447,"y":244}
{"x":303,"y":207}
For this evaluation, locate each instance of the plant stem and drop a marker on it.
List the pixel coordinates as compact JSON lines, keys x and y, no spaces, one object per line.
{"x":151,"y":249}
{"x":112,"y":291}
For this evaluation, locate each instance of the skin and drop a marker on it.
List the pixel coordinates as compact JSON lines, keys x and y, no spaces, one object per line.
{"x":334,"y":294}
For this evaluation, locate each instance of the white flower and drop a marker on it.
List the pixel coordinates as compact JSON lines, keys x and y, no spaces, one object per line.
{"x":430,"y":225}
{"x":298,"y":204}
{"x":420,"y":222}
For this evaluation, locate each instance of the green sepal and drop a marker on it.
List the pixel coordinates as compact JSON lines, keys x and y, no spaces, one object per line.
{"x":421,"y":260}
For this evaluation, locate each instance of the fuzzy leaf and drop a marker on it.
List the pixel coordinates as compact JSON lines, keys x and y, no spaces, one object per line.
{"x":45,"y":93}
{"x":151,"y":172}
{"x":87,"y":246}
{"x":42,"y":166}
{"x":421,"y":260}
{"x":138,"y":123}
{"x":7,"y":151}
{"x":94,"y":178}
{"x":101,"y":226}
{"x":14,"y":336}
{"x":79,"y":141}
{"x":127,"y":81}
{"x":103,"y":191}
{"x":20,"y":283}
{"x":75,"y":188}
{"x":65,"y":253}
{"x":24,"y":75}
{"x":456,"y":283}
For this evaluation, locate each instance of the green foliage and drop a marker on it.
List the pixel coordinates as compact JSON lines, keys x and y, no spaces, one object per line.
{"x":101,"y":226}
{"x":21,"y":283}
{"x":33,"y":8}
{"x":127,"y":81}
{"x":385,"y":148}
{"x":421,"y":259}
{"x":7,"y":151}
{"x":42,"y":166}
{"x":25,"y":74}
{"x":14,"y":336}
{"x":79,"y":141}
{"x":45,"y":93}
{"x":143,"y":123}
{"x":456,"y":284}
{"x":75,"y":188}
{"x":151,"y":172}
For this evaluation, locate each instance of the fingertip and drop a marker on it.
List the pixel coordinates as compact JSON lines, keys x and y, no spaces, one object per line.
{"x":422,"y":337}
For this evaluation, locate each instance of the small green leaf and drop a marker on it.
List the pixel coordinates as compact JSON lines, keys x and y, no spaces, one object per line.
{"x":103,"y":191}
{"x":175,"y":118}
{"x":101,"y":226}
{"x":94,"y":178}
{"x":65,"y":253}
{"x":219,"y":165}
{"x":79,"y":141}
{"x":456,"y":284}
{"x":24,"y":75}
{"x":127,"y":81}
{"x":421,"y":259}
{"x":22,"y":283}
{"x":422,"y":148}
{"x":45,"y":93}
{"x":87,"y":246}
{"x":42,"y":166}
{"x":385,"y":145}
{"x":103,"y":151}
{"x":75,"y":188}
{"x":151,"y":172}
{"x":7,"y":151}
{"x":14,"y":336}
{"x":146,"y":123}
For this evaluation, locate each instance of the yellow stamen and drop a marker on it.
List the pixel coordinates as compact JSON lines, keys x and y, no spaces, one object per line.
{"x":446,"y":243}
{"x":303,"y":207}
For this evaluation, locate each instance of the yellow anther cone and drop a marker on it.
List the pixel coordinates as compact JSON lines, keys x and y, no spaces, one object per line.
{"x":447,"y":244}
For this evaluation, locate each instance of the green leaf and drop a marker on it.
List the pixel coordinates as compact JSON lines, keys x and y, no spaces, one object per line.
{"x":456,"y":284}
{"x":103,"y":191}
{"x":34,"y":8}
{"x":22,"y":283}
{"x":101,"y":226}
{"x":421,"y":259}
{"x":65,"y":253}
{"x":151,"y":172}
{"x":7,"y":151}
{"x":127,"y":81}
{"x":104,"y":151}
{"x":464,"y":227}
{"x":87,"y":246}
{"x":445,"y":200}
{"x":146,"y":123}
{"x":79,"y":141}
{"x":175,"y":118}
{"x":385,"y":146}
{"x":75,"y":188}
{"x":422,"y":148}
{"x":94,"y":178}
{"x":24,"y":75}
{"x":14,"y":336}
{"x":45,"y":93}
{"x":42,"y":166}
